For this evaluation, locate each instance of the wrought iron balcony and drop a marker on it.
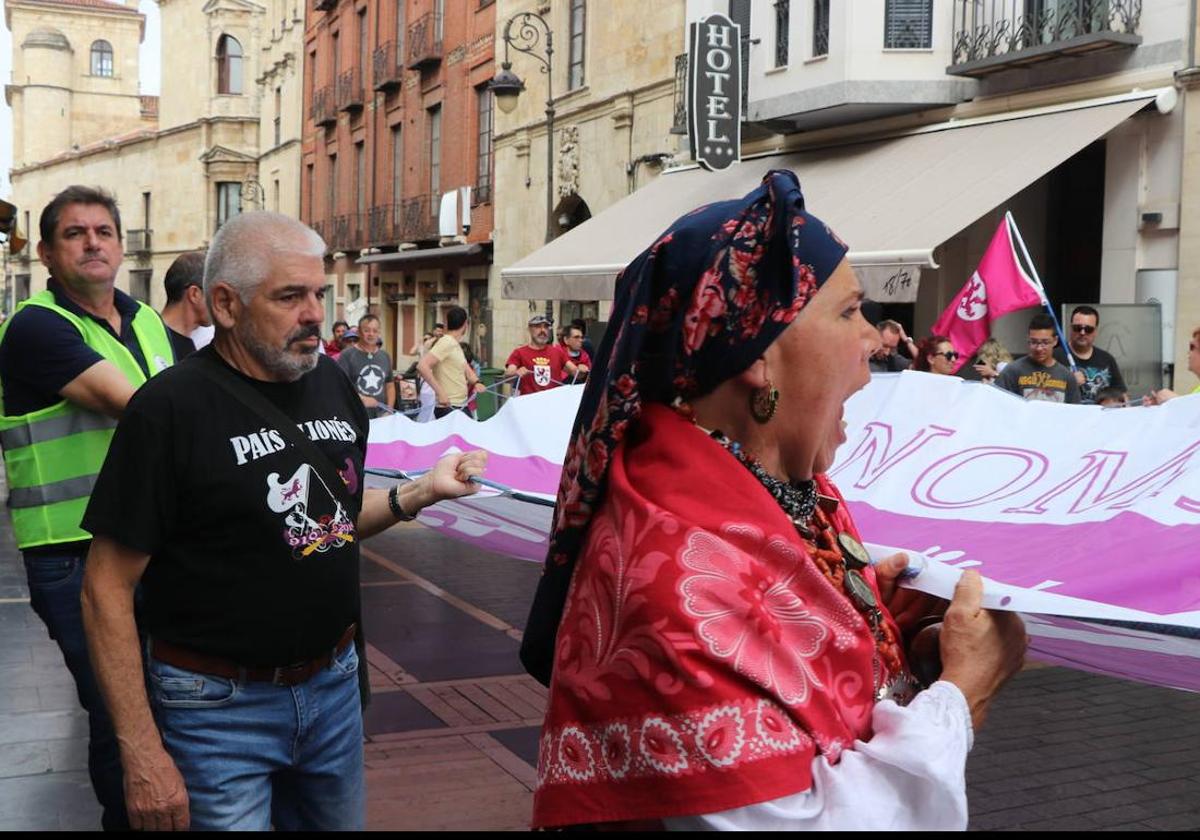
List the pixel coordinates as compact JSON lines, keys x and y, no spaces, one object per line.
{"x":349,"y":232}
{"x":324,"y":5}
{"x":137,"y":242}
{"x":425,"y":41}
{"x":383,"y":224}
{"x":416,"y":220}
{"x":321,"y":228}
{"x":999,"y":36}
{"x":388,"y":68}
{"x":680,"y":124}
{"x":481,"y":194}
{"x":350,"y":94}
{"x":820,"y":25}
{"x":322,"y":109}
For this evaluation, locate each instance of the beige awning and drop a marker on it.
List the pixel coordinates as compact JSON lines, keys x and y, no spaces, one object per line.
{"x":892,"y":200}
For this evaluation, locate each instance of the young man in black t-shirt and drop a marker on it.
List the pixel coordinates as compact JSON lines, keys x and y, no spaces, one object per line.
{"x":1095,"y":369}
{"x":246,"y":547}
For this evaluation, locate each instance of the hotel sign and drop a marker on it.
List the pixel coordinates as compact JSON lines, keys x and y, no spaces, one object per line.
{"x":715,"y":92}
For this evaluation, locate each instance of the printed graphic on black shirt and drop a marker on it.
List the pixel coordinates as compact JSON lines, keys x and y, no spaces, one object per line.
{"x":314,"y":520}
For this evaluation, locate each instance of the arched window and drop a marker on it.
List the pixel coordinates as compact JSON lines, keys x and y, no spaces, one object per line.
{"x":229,"y":65}
{"x":102,"y":58}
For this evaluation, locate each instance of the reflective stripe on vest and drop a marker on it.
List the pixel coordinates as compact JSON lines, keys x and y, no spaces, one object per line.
{"x":41,"y":431}
{"x":53,"y":455}
{"x":48,"y":494}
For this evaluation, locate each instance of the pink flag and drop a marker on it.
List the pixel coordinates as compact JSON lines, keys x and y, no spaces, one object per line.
{"x":997,"y":287}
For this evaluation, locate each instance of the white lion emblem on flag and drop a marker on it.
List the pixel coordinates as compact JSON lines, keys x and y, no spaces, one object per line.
{"x":973,"y":304}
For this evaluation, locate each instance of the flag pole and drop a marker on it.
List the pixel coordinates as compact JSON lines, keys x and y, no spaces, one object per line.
{"x":1012,"y":225}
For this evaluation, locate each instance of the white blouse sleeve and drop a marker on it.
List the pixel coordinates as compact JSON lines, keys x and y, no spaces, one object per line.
{"x":911,"y":776}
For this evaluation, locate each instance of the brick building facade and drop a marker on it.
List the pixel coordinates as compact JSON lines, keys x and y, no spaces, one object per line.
{"x":397,"y":132}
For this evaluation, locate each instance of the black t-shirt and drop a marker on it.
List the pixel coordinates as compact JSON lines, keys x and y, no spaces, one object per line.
{"x":252,"y":557}
{"x":1099,"y":372}
{"x":180,"y":344}
{"x":42,"y":351}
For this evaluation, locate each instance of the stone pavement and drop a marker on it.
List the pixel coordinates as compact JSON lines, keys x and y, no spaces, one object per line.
{"x":452,"y":728}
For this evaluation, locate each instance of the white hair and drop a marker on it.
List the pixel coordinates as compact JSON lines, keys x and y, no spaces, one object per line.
{"x":240,"y":253}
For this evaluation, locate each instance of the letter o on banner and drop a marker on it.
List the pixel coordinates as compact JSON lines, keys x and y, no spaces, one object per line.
{"x":1001,"y":471}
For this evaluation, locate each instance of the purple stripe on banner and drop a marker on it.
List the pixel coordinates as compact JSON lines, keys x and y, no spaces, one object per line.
{"x":529,"y":473}
{"x":496,"y":540}
{"x":1090,"y":651}
{"x":1147,"y":566}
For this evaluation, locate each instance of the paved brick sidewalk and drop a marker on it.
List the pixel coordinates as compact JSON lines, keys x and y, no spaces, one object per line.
{"x":452,"y":728}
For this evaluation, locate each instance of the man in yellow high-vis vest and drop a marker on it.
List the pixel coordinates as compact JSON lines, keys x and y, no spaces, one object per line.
{"x":70,"y":359}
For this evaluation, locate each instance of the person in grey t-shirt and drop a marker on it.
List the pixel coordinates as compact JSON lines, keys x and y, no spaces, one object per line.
{"x":369,"y":368}
{"x":1038,"y":376}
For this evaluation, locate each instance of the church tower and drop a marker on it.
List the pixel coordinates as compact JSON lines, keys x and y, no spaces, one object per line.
{"x":75,"y":74}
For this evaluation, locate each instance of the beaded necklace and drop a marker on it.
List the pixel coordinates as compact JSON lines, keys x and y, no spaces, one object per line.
{"x":839,"y":558}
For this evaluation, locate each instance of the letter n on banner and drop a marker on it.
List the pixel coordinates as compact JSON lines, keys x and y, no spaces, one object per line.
{"x":715,"y":92}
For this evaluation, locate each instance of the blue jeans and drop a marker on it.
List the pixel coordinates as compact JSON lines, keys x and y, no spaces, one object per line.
{"x":255,"y":755}
{"x":55,"y":581}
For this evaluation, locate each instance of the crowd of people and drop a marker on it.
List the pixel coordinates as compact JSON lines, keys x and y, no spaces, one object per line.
{"x":190,"y":522}
{"x":1087,"y":375}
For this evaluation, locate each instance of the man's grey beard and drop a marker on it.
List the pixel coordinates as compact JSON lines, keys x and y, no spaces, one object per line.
{"x":282,"y":364}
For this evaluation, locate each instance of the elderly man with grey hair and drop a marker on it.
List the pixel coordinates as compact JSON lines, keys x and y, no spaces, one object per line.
{"x":233,"y":493}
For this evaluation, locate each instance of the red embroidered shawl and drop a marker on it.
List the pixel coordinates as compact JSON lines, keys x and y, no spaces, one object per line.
{"x":702,"y":659}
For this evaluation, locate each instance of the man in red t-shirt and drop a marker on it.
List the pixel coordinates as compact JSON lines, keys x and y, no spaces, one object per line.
{"x":540,"y":364}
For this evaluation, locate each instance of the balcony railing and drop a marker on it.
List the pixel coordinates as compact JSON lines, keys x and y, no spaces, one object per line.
{"x":998,"y":36}
{"x":137,"y":242}
{"x":481,"y":194}
{"x":680,"y":124}
{"x":416,"y":220}
{"x":350,"y":95}
{"x":425,"y":41}
{"x":322,"y":110}
{"x":321,"y":228}
{"x":382,"y":225}
{"x":820,"y":25}
{"x":388,"y":68}
{"x":349,"y":232}
{"x":324,"y":5}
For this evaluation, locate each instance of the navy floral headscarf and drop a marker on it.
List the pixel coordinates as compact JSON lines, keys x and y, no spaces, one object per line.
{"x":695,"y":309}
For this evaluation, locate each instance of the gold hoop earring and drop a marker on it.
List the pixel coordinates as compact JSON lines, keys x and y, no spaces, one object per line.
{"x":763,"y":402}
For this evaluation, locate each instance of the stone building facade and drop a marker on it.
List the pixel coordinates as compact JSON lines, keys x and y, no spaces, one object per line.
{"x":613,"y":87}
{"x":179,"y":164}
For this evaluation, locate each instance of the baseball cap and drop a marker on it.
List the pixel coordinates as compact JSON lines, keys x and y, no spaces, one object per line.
{"x":350,"y":333}
{"x":541,"y":319}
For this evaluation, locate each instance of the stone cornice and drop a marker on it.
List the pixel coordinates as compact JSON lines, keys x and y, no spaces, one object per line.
{"x":125,"y":142}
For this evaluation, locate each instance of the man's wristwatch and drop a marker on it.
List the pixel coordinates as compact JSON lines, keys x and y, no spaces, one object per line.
{"x":393,"y":498}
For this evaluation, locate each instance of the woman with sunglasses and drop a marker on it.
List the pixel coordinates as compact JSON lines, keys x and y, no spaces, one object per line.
{"x":936,"y":354}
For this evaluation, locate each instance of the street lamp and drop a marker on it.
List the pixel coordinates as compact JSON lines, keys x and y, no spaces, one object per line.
{"x":507,"y":85}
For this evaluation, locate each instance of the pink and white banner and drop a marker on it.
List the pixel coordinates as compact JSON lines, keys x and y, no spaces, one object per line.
{"x":1073,"y":514}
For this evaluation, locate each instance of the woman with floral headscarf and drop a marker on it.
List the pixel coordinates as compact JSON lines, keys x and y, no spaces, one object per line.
{"x":719,"y":651}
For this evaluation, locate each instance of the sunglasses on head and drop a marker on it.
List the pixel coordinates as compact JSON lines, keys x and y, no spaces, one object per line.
{"x":951,"y":355}
{"x":1087,"y":329}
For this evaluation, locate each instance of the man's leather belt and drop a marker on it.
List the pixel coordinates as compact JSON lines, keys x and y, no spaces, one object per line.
{"x":288,"y":675}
